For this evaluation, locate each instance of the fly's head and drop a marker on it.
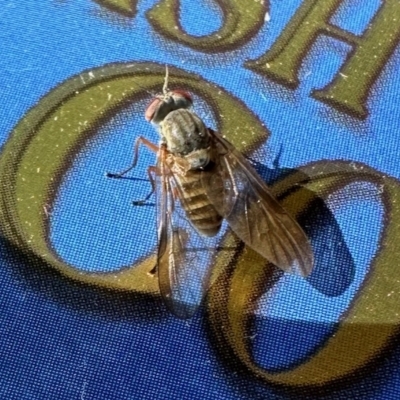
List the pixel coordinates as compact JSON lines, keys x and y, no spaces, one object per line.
{"x":163,"y":104}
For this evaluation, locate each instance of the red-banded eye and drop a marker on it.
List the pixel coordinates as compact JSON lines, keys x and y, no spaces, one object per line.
{"x":186,"y":95}
{"x":181,"y":99}
{"x":152,"y":109}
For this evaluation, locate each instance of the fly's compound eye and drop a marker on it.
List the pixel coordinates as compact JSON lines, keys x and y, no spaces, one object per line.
{"x":182,"y":99}
{"x":152,"y":109}
{"x":161,"y":106}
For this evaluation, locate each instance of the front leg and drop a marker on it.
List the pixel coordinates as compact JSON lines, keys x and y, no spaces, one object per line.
{"x":150,"y":171}
{"x":140,"y":140}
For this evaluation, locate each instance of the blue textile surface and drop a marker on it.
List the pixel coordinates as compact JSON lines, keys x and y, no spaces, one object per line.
{"x":73,"y":324}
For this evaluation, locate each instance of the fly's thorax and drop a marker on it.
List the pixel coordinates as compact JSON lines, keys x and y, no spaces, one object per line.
{"x":184,"y":132}
{"x":196,"y":160}
{"x":199,"y":159}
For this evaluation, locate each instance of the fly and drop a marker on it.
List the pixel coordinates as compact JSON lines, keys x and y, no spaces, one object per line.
{"x":203,"y":174}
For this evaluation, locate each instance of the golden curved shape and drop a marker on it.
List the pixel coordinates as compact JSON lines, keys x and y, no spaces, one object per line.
{"x":371,"y":320}
{"x":35,"y":157}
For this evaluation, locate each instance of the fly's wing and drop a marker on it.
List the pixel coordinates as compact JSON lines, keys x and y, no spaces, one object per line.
{"x":185,"y":258}
{"x":244,"y":200}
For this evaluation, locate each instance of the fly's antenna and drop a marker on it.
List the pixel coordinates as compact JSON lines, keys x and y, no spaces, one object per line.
{"x":165,"y":87}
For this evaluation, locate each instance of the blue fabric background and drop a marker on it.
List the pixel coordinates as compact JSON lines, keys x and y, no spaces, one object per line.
{"x":63,"y":340}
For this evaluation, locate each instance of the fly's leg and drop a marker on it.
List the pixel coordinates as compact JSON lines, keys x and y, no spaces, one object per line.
{"x":140,"y":140}
{"x":151,"y":170}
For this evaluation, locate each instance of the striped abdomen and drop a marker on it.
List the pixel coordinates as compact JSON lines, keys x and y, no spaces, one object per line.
{"x":195,"y":202}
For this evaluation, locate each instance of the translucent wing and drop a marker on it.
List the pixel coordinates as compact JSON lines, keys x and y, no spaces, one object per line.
{"x":244,"y":200}
{"x":185,"y":258}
